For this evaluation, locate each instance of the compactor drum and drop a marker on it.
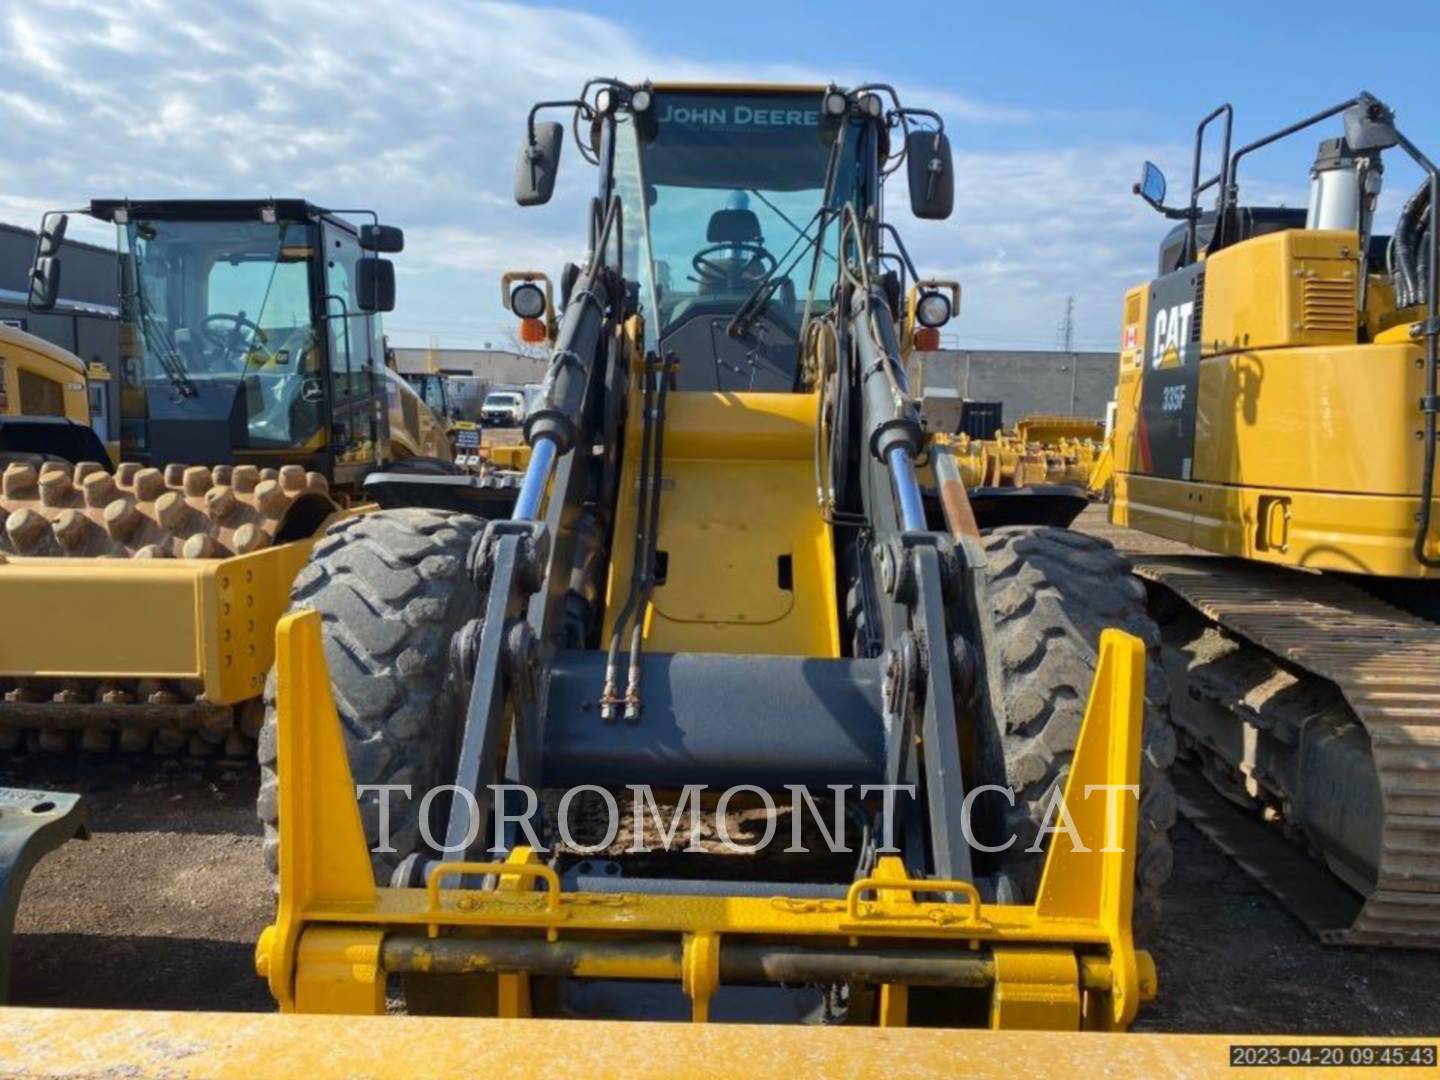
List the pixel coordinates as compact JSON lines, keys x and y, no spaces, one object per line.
{"x":1277,"y":408}
{"x":722,"y":607}
{"x":83,"y":512}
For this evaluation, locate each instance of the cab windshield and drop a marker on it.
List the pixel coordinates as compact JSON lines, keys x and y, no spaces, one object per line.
{"x":223,"y":308}
{"x":431,"y":389}
{"x":732,"y":186}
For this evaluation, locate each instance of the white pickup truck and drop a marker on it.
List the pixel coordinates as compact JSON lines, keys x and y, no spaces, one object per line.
{"x":503,"y":408}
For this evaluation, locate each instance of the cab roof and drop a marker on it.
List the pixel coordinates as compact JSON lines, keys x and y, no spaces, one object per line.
{"x":739,"y":88}
{"x":207,"y":209}
{"x":17,"y":338}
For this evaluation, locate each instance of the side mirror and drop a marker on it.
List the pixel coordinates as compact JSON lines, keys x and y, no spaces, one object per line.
{"x":45,"y":270}
{"x":387,"y":239}
{"x":1370,"y":126}
{"x":1151,"y":187}
{"x":539,"y":162}
{"x":44,"y":283}
{"x":374,"y":284}
{"x":931,"y":171}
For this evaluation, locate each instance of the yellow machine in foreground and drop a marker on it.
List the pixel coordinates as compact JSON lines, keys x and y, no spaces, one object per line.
{"x":139,"y":599}
{"x":1277,"y":408}
{"x":721,"y":586}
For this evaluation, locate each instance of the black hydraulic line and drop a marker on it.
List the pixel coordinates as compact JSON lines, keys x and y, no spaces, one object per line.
{"x":1407,"y":289}
{"x":760,"y":296}
{"x":1430,"y":403}
{"x":608,"y":696}
{"x":647,"y":582}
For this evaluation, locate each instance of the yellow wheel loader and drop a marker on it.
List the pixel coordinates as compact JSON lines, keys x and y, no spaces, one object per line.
{"x":140,"y":599}
{"x":723,"y":599}
{"x":45,"y":408}
{"x":1277,"y":410}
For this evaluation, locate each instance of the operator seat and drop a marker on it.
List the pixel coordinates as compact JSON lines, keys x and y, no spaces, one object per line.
{"x":733,"y":227}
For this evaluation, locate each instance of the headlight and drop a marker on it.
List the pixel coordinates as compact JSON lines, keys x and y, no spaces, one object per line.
{"x":605,"y":101}
{"x":872,"y":106}
{"x":527,"y":300}
{"x":641,"y":100}
{"x":932,"y":309}
{"x":836,"y":104}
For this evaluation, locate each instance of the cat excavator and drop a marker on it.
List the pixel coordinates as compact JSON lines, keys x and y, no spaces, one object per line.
{"x":1277,"y":410}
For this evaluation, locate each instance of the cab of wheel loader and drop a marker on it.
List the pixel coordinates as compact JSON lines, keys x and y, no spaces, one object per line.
{"x":250,"y":333}
{"x":732,"y":200}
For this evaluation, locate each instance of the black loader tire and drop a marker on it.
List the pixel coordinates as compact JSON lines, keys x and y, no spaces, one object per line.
{"x":1052,"y":591}
{"x":392,"y":589}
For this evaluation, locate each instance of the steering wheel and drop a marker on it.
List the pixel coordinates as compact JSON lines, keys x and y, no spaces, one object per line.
{"x":733,"y":273}
{"x":231,"y":341}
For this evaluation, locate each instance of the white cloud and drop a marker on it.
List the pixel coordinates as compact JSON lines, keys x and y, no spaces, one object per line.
{"x":416,"y":109}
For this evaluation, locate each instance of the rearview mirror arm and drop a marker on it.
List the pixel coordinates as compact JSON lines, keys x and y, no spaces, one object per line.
{"x":1174,"y":213}
{"x":581,"y":107}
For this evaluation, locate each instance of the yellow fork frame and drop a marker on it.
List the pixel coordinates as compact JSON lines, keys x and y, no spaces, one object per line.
{"x":1066,"y":962}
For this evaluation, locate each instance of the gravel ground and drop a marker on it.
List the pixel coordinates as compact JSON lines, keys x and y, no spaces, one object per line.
{"x":162,"y":906}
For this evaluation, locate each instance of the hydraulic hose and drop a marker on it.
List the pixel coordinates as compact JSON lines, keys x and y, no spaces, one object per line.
{"x":647,"y":581}
{"x":1407,"y":287}
{"x":1430,"y":404}
{"x":608,"y":698}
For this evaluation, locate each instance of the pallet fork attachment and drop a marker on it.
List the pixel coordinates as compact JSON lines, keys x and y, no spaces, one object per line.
{"x":1066,"y":962}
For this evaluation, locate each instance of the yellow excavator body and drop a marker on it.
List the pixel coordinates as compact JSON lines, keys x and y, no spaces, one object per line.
{"x":1276,"y":411}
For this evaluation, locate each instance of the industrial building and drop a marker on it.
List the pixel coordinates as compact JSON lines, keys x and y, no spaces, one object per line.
{"x":494,"y":367}
{"x":1023,"y":381}
{"x":86,"y":319}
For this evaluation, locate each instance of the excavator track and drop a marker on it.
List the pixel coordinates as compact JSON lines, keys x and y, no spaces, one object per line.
{"x":83,"y":511}
{"x":1386,"y":664}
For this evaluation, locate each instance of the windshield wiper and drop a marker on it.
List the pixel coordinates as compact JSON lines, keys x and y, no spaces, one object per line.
{"x":764,"y":291}
{"x":166,"y":352}
{"x":154,"y":333}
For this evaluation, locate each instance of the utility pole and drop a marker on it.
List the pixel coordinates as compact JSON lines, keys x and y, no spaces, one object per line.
{"x":1067,"y":343}
{"x":1067,"y":326}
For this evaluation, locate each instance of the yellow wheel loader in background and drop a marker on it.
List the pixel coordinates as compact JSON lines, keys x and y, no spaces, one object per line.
{"x":140,"y":599}
{"x":1277,"y":408}
{"x":45,"y":407}
{"x":720,"y":578}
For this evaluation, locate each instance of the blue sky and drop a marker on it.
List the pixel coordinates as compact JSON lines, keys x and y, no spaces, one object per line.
{"x":416,"y":108}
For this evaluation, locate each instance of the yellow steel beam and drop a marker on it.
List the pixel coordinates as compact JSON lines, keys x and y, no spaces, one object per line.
{"x":211,"y":620}
{"x":244,"y":1046}
{"x":324,"y":865}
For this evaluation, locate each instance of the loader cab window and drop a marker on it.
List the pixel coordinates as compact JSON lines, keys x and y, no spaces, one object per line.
{"x":356,"y":352}
{"x":221,"y":313}
{"x":431,"y":389}
{"x":727,"y":191}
